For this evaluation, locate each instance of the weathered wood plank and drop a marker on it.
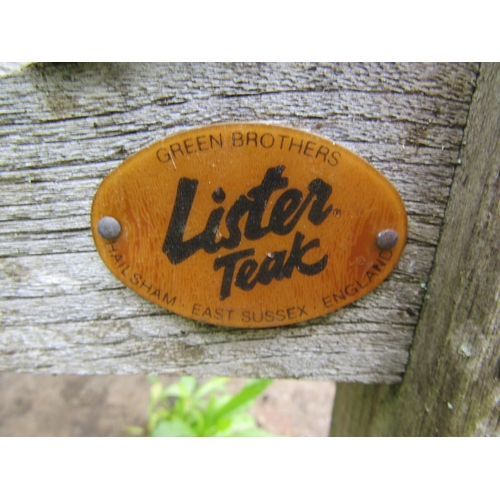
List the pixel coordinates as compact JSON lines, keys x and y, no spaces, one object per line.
{"x":63,"y":128}
{"x":452,"y":386}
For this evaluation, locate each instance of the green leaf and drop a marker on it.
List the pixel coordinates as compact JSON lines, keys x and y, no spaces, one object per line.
{"x":182,"y":389}
{"x":239,"y":422}
{"x":242,"y":421}
{"x":188,"y":384}
{"x":215,"y":404}
{"x":174,"y":390}
{"x":156,"y":416}
{"x":213,"y":385}
{"x":208,"y":410}
{"x":247,"y":394}
{"x":172,"y":428}
{"x":197,"y":421}
{"x":223,"y":424}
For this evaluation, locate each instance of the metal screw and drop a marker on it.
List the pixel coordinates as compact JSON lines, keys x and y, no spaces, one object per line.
{"x":109,"y":228}
{"x":387,"y":239}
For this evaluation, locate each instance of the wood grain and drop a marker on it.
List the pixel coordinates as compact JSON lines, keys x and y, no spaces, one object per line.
{"x":452,"y":386}
{"x":63,"y":128}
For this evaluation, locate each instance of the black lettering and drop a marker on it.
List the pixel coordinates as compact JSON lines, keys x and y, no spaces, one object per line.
{"x":188,"y":145}
{"x":362,"y":286}
{"x":297,"y":253}
{"x":296,"y":145}
{"x":272,"y":181}
{"x":135,"y":279}
{"x":351,"y":290}
{"x":370,"y":275}
{"x":291,"y":313}
{"x":338,"y":297}
{"x":207,"y":312}
{"x":283,"y":209}
{"x":228,"y":262}
{"x":143,"y":284}
{"x":271,"y":268}
{"x":214,"y":140}
{"x":285,"y":215}
{"x":196,"y":309}
{"x":219,"y":313}
{"x":174,"y":247}
{"x":335,"y":160}
{"x":237,"y":137}
{"x":168,"y":300}
{"x":156,"y":293}
{"x":385,"y":254}
{"x":322,"y":191}
{"x":269,"y":316}
{"x":245,"y":273}
{"x":327,"y":301}
{"x":200,"y":142}
{"x":302,"y":311}
{"x":288,"y":202}
{"x":317,"y":214}
{"x":124,"y":271}
{"x":241,"y":206}
{"x":258,"y":320}
{"x":270,"y":143}
{"x":245,"y":316}
{"x":308,"y":148}
{"x":322,"y":151}
{"x":283,"y":137}
{"x":163,"y":155}
{"x":178,"y":149}
{"x":252,"y":137}
{"x":219,"y":195}
{"x":280,"y":314}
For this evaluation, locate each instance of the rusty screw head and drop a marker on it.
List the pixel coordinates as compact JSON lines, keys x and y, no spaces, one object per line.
{"x":387,"y":239}
{"x":109,"y":228}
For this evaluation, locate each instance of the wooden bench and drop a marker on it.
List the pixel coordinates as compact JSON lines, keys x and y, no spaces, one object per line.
{"x":431,"y":129}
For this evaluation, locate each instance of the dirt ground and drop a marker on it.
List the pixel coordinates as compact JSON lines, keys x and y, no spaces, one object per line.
{"x":74,"y":405}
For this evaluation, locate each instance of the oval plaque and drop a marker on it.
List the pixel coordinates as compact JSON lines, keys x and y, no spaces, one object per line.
{"x":248,"y":225}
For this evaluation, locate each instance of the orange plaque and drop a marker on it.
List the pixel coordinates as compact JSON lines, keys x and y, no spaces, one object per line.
{"x":248,"y":225}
